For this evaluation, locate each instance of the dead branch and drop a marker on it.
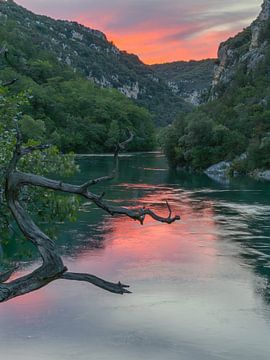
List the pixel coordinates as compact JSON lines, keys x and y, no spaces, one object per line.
{"x":52,"y":267}
{"x":9,"y":83}
{"x":6,"y":275}
{"x":31,"y":149}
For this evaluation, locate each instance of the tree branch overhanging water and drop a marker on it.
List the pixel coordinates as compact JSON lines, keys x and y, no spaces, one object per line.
{"x":52,"y":267}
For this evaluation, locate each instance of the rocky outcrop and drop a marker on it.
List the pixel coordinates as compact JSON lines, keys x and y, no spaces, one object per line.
{"x":246,"y":49}
{"x":130,"y":91}
{"x":224,"y":66}
{"x":224,"y":170}
{"x":262,"y":175}
{"x":90,"y":53}
{"x":265,"y":13}
{"x":219,"y":172}
{"x":189,"y":79}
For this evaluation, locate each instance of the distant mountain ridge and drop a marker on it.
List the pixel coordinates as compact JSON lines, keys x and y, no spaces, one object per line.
{"x":88,"y":51}
{"x":164,"y":89}
{"x":189,"y":79}
{"x":232,"y":129}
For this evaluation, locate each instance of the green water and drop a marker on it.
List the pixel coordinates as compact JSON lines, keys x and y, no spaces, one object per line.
{"x":201,"y":287}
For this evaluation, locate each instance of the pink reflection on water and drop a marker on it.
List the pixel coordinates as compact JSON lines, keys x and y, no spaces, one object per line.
{"x":35,"y":302}
{"x":132,"y":251}
{"x":129,"y":245}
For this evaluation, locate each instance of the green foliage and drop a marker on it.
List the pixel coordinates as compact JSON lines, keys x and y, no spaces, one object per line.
{"x":48,"y":206}
{"x":235,"y":126}
{"x":187,"y":75}
{"x":64,"y":108}
{"x":31,"y":128}
{"x":223,"y":129}
{"x":46,"y":51}
{"x":54,"y":103}
{"x":113,"y":135}
{"x":74,"y":114}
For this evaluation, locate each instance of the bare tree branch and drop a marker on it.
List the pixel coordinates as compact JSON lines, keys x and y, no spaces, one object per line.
{"x":118,"y":148}
{"x":6,"y":275}
{"x":89,"y":183}
{"x":117,"y":288}
{"x":52,"y":267}
{"x":31,"y":149}
{"x":121,"y":146}
{"x":9,"y":83}
{"x":23,"y":179}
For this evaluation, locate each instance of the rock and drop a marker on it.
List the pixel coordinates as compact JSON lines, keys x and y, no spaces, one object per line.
{"x":219,"y":172}
{"x":242,"y":157}
{"x":131,"y":91}
{"x":76,"y":35}
{"x":247,"y":49}
{"x":220,"y":168}
{"x":262,"y":175}
{"x":194,"y":97}
{"x":265,"y":13}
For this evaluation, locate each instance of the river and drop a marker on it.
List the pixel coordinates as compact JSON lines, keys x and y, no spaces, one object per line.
{"x":201,"y":286}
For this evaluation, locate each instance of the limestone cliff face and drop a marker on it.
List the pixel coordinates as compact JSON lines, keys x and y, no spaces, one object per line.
{"x":88,"y":52}
{"x":189,"y":79}
{"x":247,"y":49}
{"x":258,"y":26}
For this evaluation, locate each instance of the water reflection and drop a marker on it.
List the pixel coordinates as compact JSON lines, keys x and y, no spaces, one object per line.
{"x":201,"y":286}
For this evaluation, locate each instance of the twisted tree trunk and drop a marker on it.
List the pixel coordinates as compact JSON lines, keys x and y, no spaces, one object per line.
{"x":52,"y":267}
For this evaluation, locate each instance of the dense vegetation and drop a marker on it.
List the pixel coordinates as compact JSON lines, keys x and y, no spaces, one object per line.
{"x":88,"y":52}
{"x":48,"y":206}
{"x":185,"y":77}
{"x":66,"y":109}
{"x":223,"y":129}
{"x":237,"y":122}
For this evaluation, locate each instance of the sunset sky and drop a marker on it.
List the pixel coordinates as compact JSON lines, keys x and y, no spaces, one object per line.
{"x":157,"y":30}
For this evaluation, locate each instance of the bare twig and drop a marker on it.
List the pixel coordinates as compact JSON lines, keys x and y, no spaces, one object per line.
{"x":5,"y":276}
{"x":52,"y":267}
{"x":30,"y":149}
{"x":9,"y":83}
{"x":116,"y":288}
{"x":119,"y":147}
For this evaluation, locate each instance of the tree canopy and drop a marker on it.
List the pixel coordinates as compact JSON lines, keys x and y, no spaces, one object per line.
{"x":236,"y":123}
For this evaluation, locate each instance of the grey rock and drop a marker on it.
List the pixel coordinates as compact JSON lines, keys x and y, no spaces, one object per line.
{"x":262,"y":175}
{"x":219,"y":172}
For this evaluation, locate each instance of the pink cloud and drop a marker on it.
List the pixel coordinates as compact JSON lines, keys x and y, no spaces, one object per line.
{"x":158,"y":30}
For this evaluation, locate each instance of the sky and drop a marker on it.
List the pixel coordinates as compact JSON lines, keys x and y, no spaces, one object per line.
{"x":157,"y":30}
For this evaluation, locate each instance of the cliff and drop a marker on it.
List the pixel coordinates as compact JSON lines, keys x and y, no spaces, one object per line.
{"x":89,"y":52}
{"x":244,"y":52}
{"x":189,"y":79}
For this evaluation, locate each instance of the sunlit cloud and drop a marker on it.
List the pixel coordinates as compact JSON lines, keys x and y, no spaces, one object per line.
{"x":157,"y":30}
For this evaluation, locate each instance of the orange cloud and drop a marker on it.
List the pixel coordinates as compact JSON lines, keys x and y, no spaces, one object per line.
{"x":165,"y":44}
{"x":144,"y":45}
{"x":157,"y":31}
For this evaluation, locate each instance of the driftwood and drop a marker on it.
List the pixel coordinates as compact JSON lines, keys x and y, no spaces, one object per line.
{"x":52,"y":267}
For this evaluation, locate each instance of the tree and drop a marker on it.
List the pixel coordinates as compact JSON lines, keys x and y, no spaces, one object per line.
{"x":18,"y":160}
{"x":52,"y":267}
{"x":32,"y":129}
{"x":113,"y":135}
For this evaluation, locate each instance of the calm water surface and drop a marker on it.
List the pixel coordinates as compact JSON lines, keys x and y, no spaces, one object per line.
{"x":201,"y":287}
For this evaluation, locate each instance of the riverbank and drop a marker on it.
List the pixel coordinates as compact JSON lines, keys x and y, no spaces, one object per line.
{"x":182,"y":275}
{"x":224,"y":170}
